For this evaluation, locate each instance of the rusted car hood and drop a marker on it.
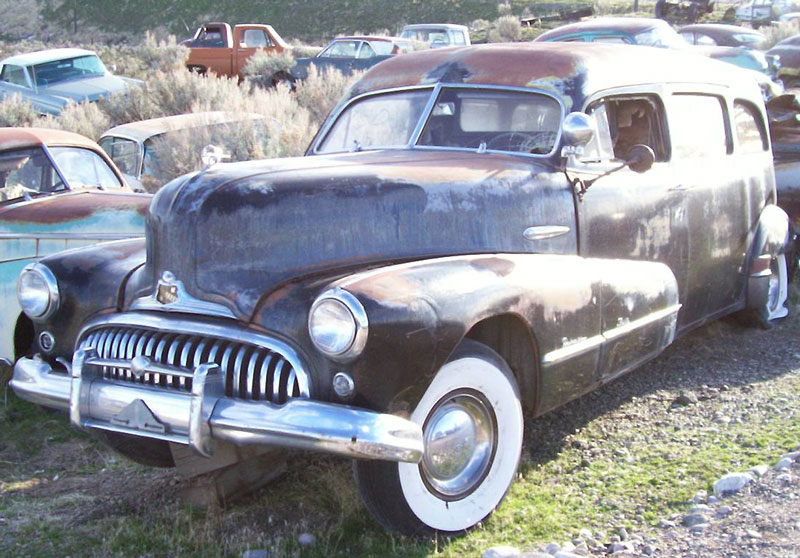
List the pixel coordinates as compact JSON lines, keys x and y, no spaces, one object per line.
{"x":238,"y":231}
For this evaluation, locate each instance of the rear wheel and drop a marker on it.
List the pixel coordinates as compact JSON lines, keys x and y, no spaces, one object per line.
{"x":471,"y":420}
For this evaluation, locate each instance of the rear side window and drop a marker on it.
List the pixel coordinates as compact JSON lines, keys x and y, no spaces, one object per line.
{"x":14,"y":74}
{"x":697,"y":127}
{"x":750,"y":134}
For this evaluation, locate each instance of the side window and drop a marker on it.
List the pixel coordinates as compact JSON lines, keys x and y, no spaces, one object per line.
{"x":633,"y":120}
{"x":254,"y":38}
{"x":611,"y":39}
{"x":458,"y":38}
{"x":750,"y":134}
{"x":366,"y":51}
{"x":697,"y":126}
{"x":14,"y":74}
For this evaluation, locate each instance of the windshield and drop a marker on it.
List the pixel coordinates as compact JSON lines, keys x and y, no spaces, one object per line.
{"x":69,"y":68}
{"x":461,"y":118}
{"x":84,"y":168}
{"x":27,"y":171}
{"x":661,"y":37}
{"x":124,"y":152}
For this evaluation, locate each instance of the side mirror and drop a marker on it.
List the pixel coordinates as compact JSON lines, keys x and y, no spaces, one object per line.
{"x":640,"y":158}
{"x":578,"y":129}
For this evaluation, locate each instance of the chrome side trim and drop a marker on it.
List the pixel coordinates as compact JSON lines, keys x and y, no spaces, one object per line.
{"x":625,"y":329}
{"x":209,"y":328}
{"x":541,"y":232}
{"x":185,"y":302}
{"x":68,"y":236}
{"x":585,"y":345}
{"x":573,"y":350}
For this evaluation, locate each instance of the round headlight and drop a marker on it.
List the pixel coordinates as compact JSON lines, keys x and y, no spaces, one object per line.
{"x":37,"y":291}
{"x":338,"y":325}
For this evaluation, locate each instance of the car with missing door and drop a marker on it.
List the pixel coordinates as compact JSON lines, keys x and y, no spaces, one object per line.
{"x":473,"y":232}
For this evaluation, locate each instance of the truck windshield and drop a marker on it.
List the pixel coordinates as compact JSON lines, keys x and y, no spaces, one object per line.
{"x":48,"y":73}
{"x":460,"y":118}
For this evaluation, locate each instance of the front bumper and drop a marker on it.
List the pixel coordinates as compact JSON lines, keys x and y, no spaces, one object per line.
{"x":205,"y":415}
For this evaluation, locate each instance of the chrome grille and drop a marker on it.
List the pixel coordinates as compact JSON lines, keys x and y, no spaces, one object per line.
{"x":251,"y":371}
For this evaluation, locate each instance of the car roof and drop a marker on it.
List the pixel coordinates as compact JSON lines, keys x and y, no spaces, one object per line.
{"x":570,"y":70}
{"x":370,"y":38}
{"x":720,"y":27}
{"x":434,"y":26}
{"x":48,"y":55}
{"x":14,"y":138}
{"x":145,"y":129}
{"x":625,"y":24}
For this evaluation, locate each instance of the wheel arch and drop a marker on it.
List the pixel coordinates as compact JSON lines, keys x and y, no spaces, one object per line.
{"x":511,"y":337}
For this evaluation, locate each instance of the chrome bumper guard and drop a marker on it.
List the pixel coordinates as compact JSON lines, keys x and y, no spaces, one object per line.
{"x":205,"y":415}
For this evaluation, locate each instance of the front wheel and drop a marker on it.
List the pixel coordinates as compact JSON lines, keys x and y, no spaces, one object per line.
{"x":471,"y":420}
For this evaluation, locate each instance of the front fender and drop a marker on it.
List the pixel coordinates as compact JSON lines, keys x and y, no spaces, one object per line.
{"x":90,"y":281}
{"x":419,"y":312}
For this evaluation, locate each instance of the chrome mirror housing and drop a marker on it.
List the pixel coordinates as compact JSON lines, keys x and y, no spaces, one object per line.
{"x":577,"y":129}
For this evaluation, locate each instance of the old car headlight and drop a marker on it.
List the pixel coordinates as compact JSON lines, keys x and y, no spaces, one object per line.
{"x":37,"y":291}
{"x":337,"y":324}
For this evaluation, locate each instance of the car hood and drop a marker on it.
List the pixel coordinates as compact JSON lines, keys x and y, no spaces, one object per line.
{"x":237,"y":231}
{"x":86,"y":89}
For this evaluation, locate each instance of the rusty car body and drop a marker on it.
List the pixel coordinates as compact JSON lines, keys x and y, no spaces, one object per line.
{"x":218,"y":49}
{"x":788,"y":51}
{"x":59,"y":190}
{"x":473,"y":230}
{"x":50,"y":79}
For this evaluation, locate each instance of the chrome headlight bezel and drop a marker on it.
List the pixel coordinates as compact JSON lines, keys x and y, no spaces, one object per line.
{"x":355,"y":319}
{"x":48,"y":295}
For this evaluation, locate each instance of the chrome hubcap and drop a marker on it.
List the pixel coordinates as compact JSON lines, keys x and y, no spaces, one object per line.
{"x":459,"y":441}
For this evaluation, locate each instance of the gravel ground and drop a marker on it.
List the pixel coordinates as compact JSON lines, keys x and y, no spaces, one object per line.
{"x":706,"y":384}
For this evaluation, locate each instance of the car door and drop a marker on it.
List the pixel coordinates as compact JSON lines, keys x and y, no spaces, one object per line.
{"x":715,"y":185}
{"x":633,"y":216}
{"x":248,"y":41}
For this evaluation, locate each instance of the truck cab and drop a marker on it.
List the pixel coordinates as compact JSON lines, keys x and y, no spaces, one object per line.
{"x":217,"y":48}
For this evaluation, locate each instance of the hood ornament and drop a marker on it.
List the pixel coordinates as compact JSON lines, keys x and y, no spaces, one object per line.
{"x":167,"y":292}
{"x":170,"y":295}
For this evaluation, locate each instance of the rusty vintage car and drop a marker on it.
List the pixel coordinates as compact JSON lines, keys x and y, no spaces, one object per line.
{"x":474,"y":231}
{"x":58,"y":190}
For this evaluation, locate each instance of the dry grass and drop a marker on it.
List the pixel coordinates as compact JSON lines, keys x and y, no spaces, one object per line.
{"x":322,"y":89}
{"x":780,"y":31}
{"x":15,"y":111}
{"x":263,"y":67}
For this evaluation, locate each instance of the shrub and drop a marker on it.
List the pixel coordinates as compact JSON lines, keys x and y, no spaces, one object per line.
{"x":143,"y":60}
{"x":504,"y":9}
{"x":262,"y":67}
{"x":508,"y":28}
{"x":16,"y":111}
{"x":82,"y":118}
{"x":777,"y":32}
{"x":322,"y":89}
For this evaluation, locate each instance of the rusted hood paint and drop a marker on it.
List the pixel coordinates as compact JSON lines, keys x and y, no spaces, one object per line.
{"x":297,"y":217}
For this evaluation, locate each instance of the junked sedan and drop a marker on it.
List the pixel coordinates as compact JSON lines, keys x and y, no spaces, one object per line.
{"x":475,"y":231}
{"x":352,"y":54}
{"x":50,"y":79}
{"x":59,"y":190}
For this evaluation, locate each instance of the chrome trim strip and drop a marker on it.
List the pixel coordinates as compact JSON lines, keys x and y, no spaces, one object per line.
{"x":68,"y":236}
{"x":573,"y":350}
{"x":542,"y":232}
{"x":612,"y":334}
{"x":206,"y":328}
{"x":586,"y":345}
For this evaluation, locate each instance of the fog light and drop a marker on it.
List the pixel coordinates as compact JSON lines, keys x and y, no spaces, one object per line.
{"x":343,"y":385}
{"x":47,"y":341}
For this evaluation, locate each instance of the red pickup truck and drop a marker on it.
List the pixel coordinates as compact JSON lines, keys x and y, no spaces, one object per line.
{"x":217,"y":48}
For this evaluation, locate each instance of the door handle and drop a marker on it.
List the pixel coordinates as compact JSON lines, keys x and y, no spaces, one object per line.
{"x":680,"y":188}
